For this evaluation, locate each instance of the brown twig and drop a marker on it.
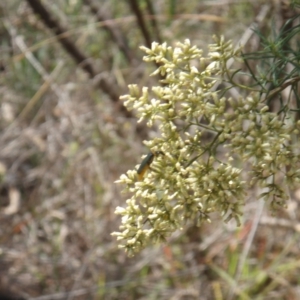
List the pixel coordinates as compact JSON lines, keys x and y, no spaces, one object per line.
{"x":70,"y":46}
{"x":141,"y":21}
{"x":113,"y":30}
{"x":287,"y":83}
{"x":153,"y":20}
{"x":142,"y":24}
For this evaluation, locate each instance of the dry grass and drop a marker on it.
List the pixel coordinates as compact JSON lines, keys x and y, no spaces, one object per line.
{"x":63,"y":143}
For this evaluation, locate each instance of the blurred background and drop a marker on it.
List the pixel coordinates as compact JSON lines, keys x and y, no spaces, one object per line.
{"x":65,"y":138}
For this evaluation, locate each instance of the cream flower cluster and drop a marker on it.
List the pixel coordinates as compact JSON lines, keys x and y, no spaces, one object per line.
{"x":197,"y":123}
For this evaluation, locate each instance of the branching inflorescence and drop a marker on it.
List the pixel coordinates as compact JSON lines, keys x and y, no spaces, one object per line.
{"x":197,"y":122}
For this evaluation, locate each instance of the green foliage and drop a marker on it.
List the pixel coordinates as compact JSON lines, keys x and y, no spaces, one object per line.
{"x":197,"y":119}
{"x":279,"y":64}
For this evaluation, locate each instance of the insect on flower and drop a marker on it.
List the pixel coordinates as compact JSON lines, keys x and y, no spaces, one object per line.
{"x":145,"y":165}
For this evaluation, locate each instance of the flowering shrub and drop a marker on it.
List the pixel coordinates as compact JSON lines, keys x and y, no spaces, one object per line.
{"x":197,"y":122}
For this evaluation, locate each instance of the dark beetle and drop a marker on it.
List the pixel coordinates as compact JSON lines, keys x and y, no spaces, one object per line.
{"x":145,"y":165}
